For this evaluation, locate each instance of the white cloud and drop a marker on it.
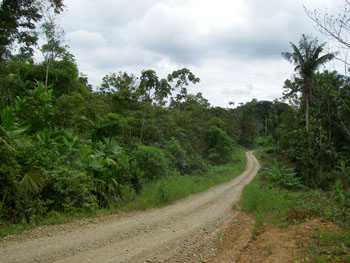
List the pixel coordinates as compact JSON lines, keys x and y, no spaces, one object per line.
{"x":86,"y":40}
{"x":233,"y":46}
{"x":211,"y":15}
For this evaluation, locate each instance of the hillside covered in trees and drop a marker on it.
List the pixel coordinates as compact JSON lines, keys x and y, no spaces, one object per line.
{"x":67,"y":147}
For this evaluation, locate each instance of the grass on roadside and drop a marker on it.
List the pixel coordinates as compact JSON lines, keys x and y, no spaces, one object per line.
{"x":270,"y":202}
{"x":172,"y":188}
{"x":264,"y":203}
{"x":156,"y":194}
{"x":330,"y":246}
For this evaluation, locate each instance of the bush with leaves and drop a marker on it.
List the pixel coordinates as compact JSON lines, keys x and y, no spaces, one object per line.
{"x":283,"y":176}
{"x":178,"y":158}
{"x":311,"y":151}
{"x":24,"y":168}
{"x":219,"y":145}
{"x":21,"y":161}
{"x":35,"y":107}
{"x":109,"y":166}
{"x":264,"y":141}
{"x":69,"y":189}
{"x":151,"y":162}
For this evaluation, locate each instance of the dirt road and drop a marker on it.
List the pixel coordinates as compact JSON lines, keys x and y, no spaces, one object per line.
{"x":169,"y":234}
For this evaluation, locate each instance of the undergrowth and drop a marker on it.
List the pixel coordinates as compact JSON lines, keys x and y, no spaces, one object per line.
{"x":272,"y":200}
{"x":175,"y":187}
{"x":155,"y":194}
{"x":330,"y":246}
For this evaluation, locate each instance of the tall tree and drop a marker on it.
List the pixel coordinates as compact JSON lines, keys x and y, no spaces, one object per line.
{"x":54,"y":37}
{"x":17,"y":24}
{"x":182,"y":77}
{"x":152,"y":89}
{"x":307,"y":59}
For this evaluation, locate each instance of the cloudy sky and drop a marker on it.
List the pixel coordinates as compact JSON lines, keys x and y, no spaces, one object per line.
{"x":233,"y":46}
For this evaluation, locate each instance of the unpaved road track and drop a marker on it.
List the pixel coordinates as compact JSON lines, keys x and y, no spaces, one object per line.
{"x":155,"y":235}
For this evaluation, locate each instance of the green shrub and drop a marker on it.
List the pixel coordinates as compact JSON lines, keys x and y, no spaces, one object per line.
{"x":178,"y":158}
{"x":69,"y":189}
{"x":264,"y":141}
{"x":329,"y":205}
{"x":219,"y":145}
{"x":197,"y":165}
{"x":23,"y":161}
{"x":151,"y":161}
{"x":36,"y":107}
{"x":283,"y":176}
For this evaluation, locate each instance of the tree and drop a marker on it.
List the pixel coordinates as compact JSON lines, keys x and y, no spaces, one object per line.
{"x":54,"y":36}
{"x":122,"y":88}
{"x":17,"y":24}
{"x":119,"y":83}
{"x":317,"y":151}
{"x":219,"y":145}
{"x":332,"y":107}
{"x":152,"y":89}
{"x":248,"y":125}
{"x":182,"y":77}
{"x":307,"y":59}
{"x":336,"y":27}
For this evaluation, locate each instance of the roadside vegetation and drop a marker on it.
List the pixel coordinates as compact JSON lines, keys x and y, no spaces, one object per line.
{"x":68,"y":149}
{"x":153,"y":194}
{"x":172,"y":188}
{"x":276,"y":196}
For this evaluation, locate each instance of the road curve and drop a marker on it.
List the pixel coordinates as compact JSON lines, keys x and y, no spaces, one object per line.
{"x":155,"y":235}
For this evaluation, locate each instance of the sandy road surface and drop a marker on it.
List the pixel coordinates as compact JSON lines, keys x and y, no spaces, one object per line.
{"x":156,"y":235}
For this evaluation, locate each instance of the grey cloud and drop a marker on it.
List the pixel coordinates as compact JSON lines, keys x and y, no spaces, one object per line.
{"x":112,"y":35}
{"x":156,"y":27}
{"x":247,"y":90}
{"x":259,"y":40}
{"x":167,"y":33}
{"x":109,"y":58}
{"x":109,"y":13}
{"x":86,"y":40}
{"x":270,"y":28}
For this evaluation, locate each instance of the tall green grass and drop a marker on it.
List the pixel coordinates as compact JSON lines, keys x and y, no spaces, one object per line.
{"x":264,"y":203}
{"x":172,"y":188}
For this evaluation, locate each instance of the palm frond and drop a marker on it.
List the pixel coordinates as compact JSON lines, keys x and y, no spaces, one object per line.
{"x":111,"y":162}
{"x":32,"y":181}
{"x":296,"y":58}
{"x":325,"y":58}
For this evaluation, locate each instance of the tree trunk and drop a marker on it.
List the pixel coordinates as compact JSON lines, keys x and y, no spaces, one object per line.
{"x":47,"y":72}
{"x":143,"y":122}
{"x":307,"y":112}
{"x":307,"y":94}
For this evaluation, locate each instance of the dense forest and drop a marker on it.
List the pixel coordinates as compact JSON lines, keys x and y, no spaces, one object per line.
{"x":67,"y":146}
